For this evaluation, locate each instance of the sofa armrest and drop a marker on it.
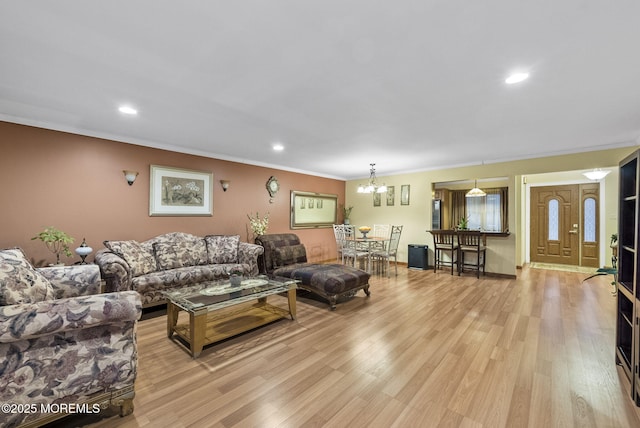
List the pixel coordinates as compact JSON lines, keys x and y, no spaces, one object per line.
{"x":73,"y":281}
{"x":248,"y":254}
{"x":32,"y":320}
{"x":115,"y":271}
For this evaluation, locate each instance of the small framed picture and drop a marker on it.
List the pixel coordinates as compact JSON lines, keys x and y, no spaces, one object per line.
{"x":391,"y":196}
{"x":376,"y":199}
{"x":404,"y":194}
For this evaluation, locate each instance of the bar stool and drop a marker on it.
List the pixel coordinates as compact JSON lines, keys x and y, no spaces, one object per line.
{"x":470,"y":241}
{"x":445,"y":241}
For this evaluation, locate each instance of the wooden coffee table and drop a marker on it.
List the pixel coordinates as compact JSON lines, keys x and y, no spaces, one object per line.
{"x":218,"y":310}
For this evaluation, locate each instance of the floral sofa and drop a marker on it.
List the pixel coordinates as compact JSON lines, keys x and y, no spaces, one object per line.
{"x":62,"y":342}
{"x":284,"y":255}
{"x":173,"y":260}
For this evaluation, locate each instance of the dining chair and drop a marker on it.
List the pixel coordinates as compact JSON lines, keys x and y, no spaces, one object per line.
{"x":471,"y":242}
{"x":384,"y":256}
{"x":381,"y":231}
{"x":351,"y":252}
{"x":338,"y":232}
{"x":444,"y":241}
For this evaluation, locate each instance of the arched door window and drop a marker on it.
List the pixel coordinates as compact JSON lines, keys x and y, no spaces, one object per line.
{"x":589,"y":220}
{"x":554,"y":219}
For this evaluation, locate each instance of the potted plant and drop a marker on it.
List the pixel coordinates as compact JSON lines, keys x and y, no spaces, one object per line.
{"x":346,"y":213}
{"x":56,"y":241}
{"x":463,"y":224}
{"x":614,"y":244}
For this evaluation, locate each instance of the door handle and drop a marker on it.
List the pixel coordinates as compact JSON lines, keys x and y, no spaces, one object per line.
{"x":574,"y":231}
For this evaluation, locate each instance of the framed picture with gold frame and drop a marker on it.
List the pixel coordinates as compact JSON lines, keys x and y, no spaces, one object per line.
{"x":180,"y":192}
{"x":313,"y":210}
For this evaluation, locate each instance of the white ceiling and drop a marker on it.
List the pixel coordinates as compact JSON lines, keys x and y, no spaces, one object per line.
{"x":409,"y":85}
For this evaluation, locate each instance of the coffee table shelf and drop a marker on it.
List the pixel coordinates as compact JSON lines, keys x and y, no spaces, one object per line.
{"x":217,"y":311}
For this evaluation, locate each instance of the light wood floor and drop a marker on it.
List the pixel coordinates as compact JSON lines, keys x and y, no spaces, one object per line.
{"x":425,"y":350}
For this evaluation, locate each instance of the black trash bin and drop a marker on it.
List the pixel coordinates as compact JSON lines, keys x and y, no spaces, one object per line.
{"x":418,"y":257}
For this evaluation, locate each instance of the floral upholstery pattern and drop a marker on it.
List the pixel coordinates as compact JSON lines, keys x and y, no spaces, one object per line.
{"x":72,"y":281}
{"x":285,"y":256}
{"x":77,"y":349}
{"x":222,"y":248}
{"x":152,"y":285}
{"x":181,"y":259}
{"x":20,"y":282}
{"x":176,"y":250}
{"x":140,"y":260}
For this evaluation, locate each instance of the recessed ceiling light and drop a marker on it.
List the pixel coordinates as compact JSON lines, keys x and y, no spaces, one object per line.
{"x":278,"y":147}
{"x":127,"y":110}
{"x":516,"y":78}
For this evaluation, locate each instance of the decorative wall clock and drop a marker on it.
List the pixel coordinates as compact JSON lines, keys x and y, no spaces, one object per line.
{"x":272,"y":187}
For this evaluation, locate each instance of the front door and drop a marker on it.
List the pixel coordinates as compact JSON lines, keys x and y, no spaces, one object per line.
{"x":590,"y":221}
{"x":564,"y":224}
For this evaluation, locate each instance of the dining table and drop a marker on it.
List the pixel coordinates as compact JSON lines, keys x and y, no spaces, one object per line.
{"x":371,"y":244}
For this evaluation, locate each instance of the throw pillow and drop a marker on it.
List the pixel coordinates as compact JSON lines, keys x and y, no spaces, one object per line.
{"x":139,"y":259}
{"x":19,"y":281}
{"x":172,"y":256}
{"x":222,"y":248}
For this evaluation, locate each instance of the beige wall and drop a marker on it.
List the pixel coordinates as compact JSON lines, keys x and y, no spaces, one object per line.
{"x":76,"y":184}
{"x":504,"y":253}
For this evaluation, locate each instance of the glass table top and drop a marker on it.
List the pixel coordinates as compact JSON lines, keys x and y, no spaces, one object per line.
{"x":218,"y":294}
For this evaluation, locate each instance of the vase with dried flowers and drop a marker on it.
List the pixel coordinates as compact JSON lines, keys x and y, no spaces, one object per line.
{"x":258,"y":225}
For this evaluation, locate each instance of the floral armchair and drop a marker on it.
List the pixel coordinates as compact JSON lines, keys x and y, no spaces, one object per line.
{"x":63,"y":343}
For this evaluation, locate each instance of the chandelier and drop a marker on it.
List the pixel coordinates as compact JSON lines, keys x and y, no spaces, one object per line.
{"x":372,"y":186}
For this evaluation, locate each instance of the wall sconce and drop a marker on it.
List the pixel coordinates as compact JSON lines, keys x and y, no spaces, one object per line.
{"x":130,"y":176}
{"x":225,"y":184}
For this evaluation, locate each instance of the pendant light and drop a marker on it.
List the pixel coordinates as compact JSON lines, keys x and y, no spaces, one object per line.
{"x":475,"y":192}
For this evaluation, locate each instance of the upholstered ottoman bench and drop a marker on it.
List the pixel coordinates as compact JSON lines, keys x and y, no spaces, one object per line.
{"x":285,"y":256}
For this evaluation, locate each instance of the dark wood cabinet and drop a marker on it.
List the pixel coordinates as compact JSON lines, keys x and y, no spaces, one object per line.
{"x":628,"y":308}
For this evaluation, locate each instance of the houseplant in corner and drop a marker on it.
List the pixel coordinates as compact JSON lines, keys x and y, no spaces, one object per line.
{"x":346,"y":213}
{"x":56,"y":241}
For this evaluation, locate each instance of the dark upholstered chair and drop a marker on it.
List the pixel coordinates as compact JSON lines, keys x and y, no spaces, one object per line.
{"x":285,"y":256}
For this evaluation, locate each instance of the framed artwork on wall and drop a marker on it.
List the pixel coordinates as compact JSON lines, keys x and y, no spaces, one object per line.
{"x":404,"y":194}
{"x":313,"y":210}
{"x":376,"y":199}
{"x":180,"y":192}
{"x":391,"y":196}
